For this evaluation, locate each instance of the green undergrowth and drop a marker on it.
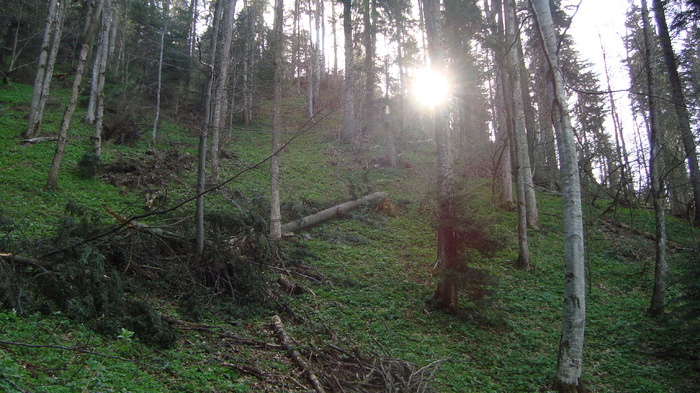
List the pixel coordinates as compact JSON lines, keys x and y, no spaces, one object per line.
{"x":380,"y":273}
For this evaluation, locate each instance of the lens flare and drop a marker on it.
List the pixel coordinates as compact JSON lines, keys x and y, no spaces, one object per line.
{"x":430,"y":88}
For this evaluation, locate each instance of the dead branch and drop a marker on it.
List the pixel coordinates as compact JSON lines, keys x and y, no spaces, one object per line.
{"x":290,"y":286}
{"x":329,"y":213}
{"x":261,"y":375}
{"x":26,"y":261}
{"x":32,"y":141}
{"x":294,"y":354}
{"x":157,"y":232}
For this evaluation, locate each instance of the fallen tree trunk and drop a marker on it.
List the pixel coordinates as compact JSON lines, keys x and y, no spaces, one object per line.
{"x":26,"y":261}
{"x":329,"y":213}
{"x":294,"y":354}
{"x":32,"y":141}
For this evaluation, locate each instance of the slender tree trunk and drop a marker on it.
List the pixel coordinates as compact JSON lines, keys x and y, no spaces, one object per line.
{"x":101,"y":63}
{"x":218,"y":118}
{"x":444,"y":296}
{"x":369,"y":41}
{"x":334,"y":31}
{"x":93,"y":13}
{"x":348,"y":96}
{"x":657,"y":188}
{"x":570,"y":359}
{"x":679,"y":103}
{"x":275,"y":214}
{"x":163,"y":31}
{"x":518,"y":132}
{"x":45,"y":65}
{"x":204,"y":134}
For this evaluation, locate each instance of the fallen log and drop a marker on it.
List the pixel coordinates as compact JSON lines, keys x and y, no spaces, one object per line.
{"x":26,"y":261}
{"x":32,"y":141}
{"x":294,"y":354}
{"x":329,"y":213}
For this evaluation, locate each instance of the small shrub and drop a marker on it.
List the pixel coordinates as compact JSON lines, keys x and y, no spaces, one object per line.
{"x":88,"y":166}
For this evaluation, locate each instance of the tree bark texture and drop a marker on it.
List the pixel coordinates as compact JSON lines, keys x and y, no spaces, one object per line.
{"x":518,"y":132}
{"x":444,"y":296}
{"x":348,"y":96}
{"x":224,"y":61}
{"x":47,"y":58}
{"x":275,"y":214}
{"x":657,"y":188}
{"x":570,"y":359}
{"x":91,"y":17}
{"x":331,"y":212}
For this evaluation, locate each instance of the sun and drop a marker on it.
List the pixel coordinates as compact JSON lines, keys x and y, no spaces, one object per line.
{"x":430,"y":88}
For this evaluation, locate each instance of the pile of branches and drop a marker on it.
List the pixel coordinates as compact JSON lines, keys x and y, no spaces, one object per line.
{"x":344,"y":371}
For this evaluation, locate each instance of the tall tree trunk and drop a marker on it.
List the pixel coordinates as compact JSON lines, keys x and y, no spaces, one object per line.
{"x":679,"y":103}
{"x":334,"y":31}
{"x":100,"y":64}
{"x":370,"y":77}
{"x":275,"y":214}
{"x":348,"y":96}
{"x":520,"y":139}
{"x":204,"y":134}
{"x":570,"y":359}
{"x":218,"y":118}
{"x":657,"y":188}
{"x":444,"y":296}
{"x":93,"y":13}
{"x":163,"y":31}
{"x":101,"y":67}
{"x":45,"y":65}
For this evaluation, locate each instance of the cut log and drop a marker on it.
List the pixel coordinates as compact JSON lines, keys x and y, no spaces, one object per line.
{"x":32,"y":141}
{"x":329,"y":213}
{"x":294,"y":354}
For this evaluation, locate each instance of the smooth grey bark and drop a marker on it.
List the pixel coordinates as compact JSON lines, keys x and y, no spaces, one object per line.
{"x":657,"y":188}
{"x":220,"y":96}
{"x":334,"y":32}
{"x":570,"y":358}
{"x":100,"y":65}
{"x":45,"y":65}
{"x":204,"y":134}
{"x":522,"y":158}
{"x":163,"y":31}
{"x":348,"y":134}
{"x":93,"y":13}
{"x":679,"y":103}
{"x":275,"y":213}
{"x":370,"y":77}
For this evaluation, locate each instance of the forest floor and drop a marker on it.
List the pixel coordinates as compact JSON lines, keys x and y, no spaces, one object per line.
{"x":361,"y":318}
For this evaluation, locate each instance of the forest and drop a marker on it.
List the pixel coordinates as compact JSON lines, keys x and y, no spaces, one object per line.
{"x":348,"y":196}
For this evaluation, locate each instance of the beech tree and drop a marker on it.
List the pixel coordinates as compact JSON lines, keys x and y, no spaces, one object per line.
{"x":92,"y":14}
{"x":570,"y":359}
{"x":45,"y":65}
{"x":348,"y":97}
{"x":657,"y":192}
{"x":278,"y":48}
